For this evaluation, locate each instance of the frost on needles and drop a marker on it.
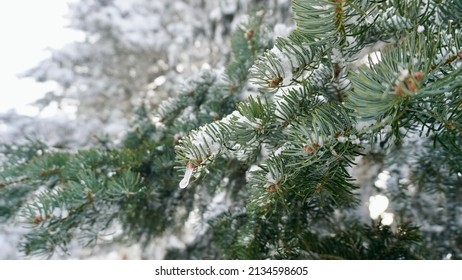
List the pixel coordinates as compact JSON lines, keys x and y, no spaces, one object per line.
{"x":328,"y":93}
{"x":277,"y":155}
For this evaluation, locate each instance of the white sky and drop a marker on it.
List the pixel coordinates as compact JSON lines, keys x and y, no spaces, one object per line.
{"x":27,"y":28}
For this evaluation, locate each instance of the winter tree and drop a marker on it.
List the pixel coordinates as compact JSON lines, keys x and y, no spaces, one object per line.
{"x":135,"y":52}
{"x":279,"y":154}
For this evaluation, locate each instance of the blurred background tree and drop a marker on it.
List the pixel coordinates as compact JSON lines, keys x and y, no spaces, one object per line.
{"x":337,"y":139}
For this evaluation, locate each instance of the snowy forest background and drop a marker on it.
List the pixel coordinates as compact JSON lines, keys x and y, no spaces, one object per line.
{"x":137,"y":54}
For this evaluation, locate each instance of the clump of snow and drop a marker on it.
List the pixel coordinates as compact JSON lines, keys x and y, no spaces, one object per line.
{"x":203,"y":138}
{"x":387,"y":129}
{"x":377,"y":205}
{"x":387,"y":218}
{"x":369,"y":54}
{"x":342,"y":139}
{"x":281,"y":149}
{"x":282,"y":30}
{"x":355,"y":140}
{"x":322,"y":8}
{"x":337,"y":56}
{"x":187,"y":176}
{"x":361,"y":125}
{"x":257,"y":124}
{"x":286,"y":65}
{"x":382,"y":180}
{"x":402,"y":75}
{"x":252,"y":168}
{"x":270,"y":180}
{"x":280,"y":101}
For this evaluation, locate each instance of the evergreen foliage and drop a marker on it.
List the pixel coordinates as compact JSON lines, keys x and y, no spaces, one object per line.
{"x":259,"y":156}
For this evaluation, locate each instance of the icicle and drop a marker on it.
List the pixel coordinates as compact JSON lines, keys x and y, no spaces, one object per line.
{"x":187,"y":176}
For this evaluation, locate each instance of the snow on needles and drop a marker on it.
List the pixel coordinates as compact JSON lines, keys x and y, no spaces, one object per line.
{"x":286,"y":65}
{"x":205,"y":143}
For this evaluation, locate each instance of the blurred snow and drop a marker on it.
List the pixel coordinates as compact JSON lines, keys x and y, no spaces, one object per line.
{"x":377,"y":205}
{"x":24,"y":43}
{"x":27,"y":29}
{"x":57,"y":130}
{"x":9,"y":238}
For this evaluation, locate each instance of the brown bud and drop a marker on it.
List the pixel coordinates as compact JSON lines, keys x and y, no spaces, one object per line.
{"x":399,"y":91}
{"x":308,"y":149}
{"x":89,"y":194}
{"x":191,"y":165}
{"x":38,"y":220}
{"x":249,"y":34}
{"x":460,"y":54}
{"x":274,"y":82}
{"x":418,"y":76}
{"x":410,"y":82}
{"x":450,"y":126}
{"x":177,"y":139}
{"x":273,"y":188}
{"x":411,"y":85}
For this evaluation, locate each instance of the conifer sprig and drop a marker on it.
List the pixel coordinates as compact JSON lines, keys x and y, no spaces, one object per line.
{"x":263,"y":150}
